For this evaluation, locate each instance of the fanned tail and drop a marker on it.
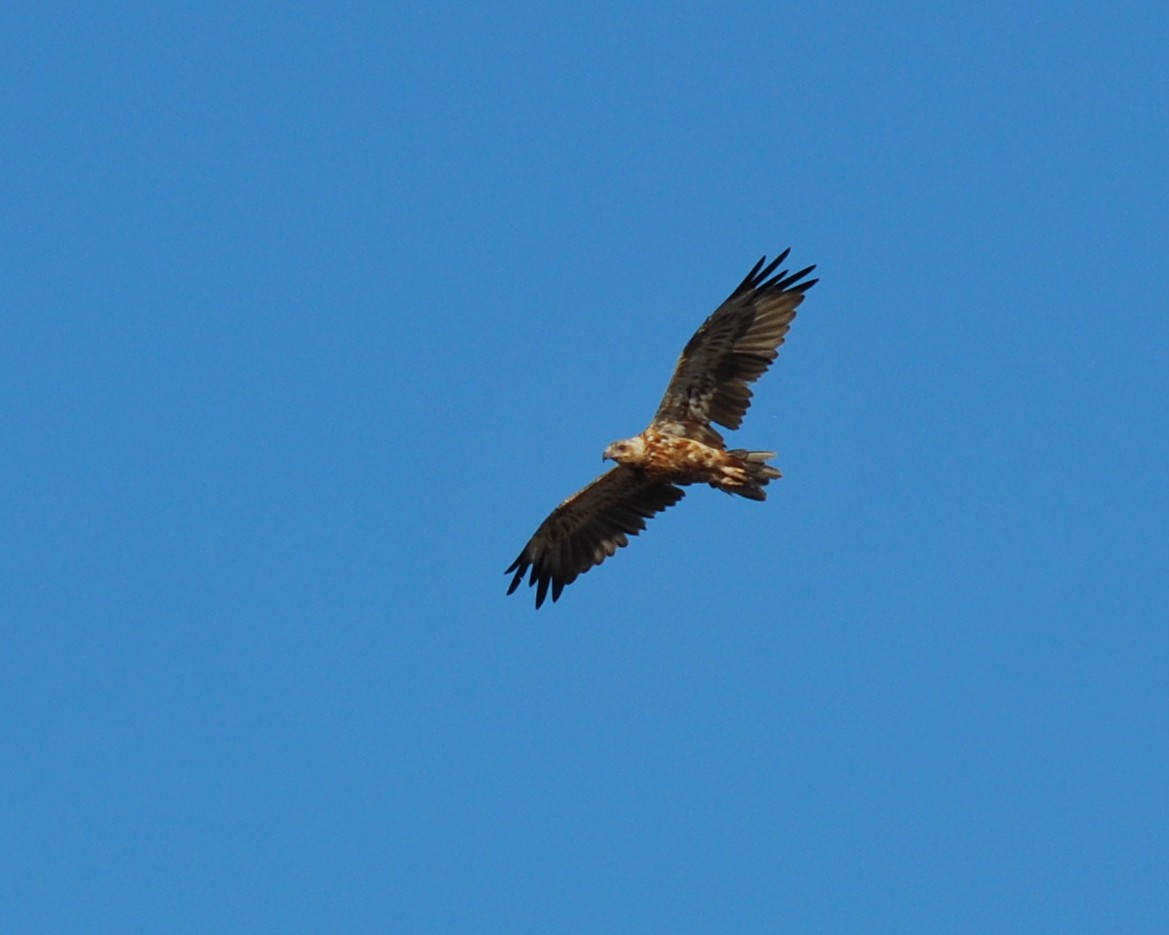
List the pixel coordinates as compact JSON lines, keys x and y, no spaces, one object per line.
{"x":759,"y":473}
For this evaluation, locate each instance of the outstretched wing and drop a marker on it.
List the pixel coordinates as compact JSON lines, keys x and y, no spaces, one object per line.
{"x":588,"y":527}
{"x":733,"y":347}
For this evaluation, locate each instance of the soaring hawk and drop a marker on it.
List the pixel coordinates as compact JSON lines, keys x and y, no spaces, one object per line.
{"x":733,"y":347}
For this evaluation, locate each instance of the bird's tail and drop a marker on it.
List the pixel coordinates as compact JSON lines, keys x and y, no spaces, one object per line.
{"x":759,"y":473}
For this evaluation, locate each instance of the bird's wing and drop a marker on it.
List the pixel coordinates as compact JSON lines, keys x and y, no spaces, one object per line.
{"x":588,"y":527}
{"x":733,"y":347}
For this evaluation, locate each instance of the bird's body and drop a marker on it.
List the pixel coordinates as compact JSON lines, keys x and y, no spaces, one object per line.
{"x":664,"y":454}
{"x":680,"y":447}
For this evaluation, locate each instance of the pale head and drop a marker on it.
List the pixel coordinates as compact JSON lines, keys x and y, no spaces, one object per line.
{"x":626,"y":451}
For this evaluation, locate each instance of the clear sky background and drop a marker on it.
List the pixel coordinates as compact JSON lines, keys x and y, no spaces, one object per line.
{"x":312,"y":312}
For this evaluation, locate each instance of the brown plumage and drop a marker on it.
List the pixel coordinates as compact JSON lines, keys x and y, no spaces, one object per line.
{"x":734,"y":347}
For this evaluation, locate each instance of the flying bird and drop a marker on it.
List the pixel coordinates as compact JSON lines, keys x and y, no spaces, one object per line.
{"x":733,"y":348}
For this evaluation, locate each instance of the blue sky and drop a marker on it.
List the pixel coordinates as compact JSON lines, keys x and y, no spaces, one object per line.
{"x":311,"y":313}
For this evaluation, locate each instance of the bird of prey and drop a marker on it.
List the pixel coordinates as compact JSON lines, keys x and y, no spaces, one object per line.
{"x":734,"y":347}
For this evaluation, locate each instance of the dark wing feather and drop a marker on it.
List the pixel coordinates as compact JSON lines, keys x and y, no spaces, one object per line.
{"x":588,"y":527}
{"x":733,"y":347}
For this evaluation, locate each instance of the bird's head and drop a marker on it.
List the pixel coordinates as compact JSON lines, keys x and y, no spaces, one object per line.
{"x":626,"y":451}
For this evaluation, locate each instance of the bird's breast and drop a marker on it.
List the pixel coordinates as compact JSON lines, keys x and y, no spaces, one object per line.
{"x":677,"y":457}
